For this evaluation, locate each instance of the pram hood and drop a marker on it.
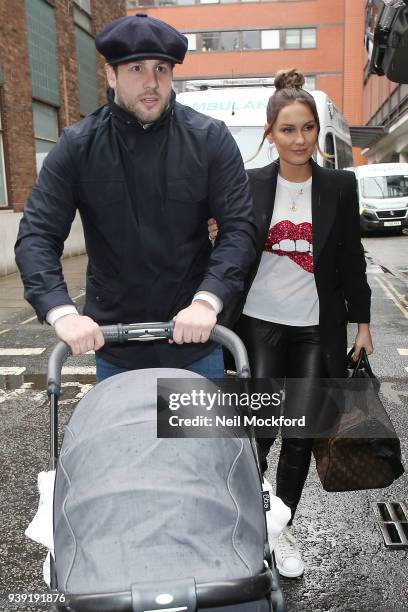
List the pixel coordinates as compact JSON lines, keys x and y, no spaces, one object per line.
{"x":129,"y":507}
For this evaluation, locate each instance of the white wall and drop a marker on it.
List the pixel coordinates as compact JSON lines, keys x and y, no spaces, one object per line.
{"x":9,"y":222}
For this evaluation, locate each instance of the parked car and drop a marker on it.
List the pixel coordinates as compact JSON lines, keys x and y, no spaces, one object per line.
{"x":383,"y":196}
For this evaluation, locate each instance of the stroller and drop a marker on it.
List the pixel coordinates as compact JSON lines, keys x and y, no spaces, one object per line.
{"x":145,"y":524}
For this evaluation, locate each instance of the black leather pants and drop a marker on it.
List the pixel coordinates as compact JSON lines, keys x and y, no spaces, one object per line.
{"x":278,"y":351}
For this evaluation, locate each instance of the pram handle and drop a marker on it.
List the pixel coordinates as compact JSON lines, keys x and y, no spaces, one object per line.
{"x":143,"y":332}
{"x":207,"y":595}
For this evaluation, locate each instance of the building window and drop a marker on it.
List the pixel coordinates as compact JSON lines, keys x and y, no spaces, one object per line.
{"x":85,"y":5}
{"x":310,"y":82}
{"x":87,"y":79}
{"x":304,"y":38}
{"x":82,"y":20}
{"x":219,"y":41}
{"x":3,"y":185}
{"x":45,"y":120}
{"x":292,"y":39}
{"x":42,"y":51}
{"x":131,"y":4}
{"x":192,"y":42}
{"x":309,"y":38}
{"x":247,"y":40}
{"x":251,"y":39}
{"x":270,"y":39}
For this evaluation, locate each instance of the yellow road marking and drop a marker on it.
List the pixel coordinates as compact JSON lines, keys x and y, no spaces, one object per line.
{"x":389,"y":290}
{"x":28,"y":320}
{"x":80,"y":294}
{"x":400,"y":296}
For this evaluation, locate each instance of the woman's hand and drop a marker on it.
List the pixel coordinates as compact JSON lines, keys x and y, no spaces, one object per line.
{"x":363,"y":340}
{"x":212,"y":229}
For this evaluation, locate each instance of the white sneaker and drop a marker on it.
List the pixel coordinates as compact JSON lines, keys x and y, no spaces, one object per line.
{"x":288,"y":558}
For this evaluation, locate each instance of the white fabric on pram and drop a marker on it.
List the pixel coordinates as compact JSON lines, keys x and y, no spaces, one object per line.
{"x":41,"y":527}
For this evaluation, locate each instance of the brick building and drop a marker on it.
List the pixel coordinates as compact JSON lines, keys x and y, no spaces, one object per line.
{"x":253,"y":38}
{"x":385,"y":104}
{"x":50,"y":76}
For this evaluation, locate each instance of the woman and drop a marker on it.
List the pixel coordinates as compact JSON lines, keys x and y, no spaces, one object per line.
{"x":308,"y":280}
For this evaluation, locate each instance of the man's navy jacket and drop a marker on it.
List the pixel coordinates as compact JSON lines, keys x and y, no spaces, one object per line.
{"x":145,"y":264}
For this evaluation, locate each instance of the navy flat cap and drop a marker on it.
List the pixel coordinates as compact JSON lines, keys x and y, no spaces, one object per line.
{"x":140,"y":37}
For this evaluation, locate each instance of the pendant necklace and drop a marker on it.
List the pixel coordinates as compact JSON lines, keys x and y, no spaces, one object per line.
{"x":294,"y":198}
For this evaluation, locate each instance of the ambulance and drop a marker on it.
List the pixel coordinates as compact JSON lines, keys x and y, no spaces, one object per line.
{"x":243,"y":110}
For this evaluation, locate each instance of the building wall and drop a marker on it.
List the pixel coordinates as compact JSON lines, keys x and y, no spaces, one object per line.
{"x":16,"y":103}
{"x":386,"y":104}
{"x":377,"y":91}
{"x":337,"y":61}
{"x":354,"y":60}
{"x":104,"y":11}
{"x":16,"y":95}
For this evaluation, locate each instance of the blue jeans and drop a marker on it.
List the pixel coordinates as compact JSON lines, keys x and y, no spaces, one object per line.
{"x":210,"y":366}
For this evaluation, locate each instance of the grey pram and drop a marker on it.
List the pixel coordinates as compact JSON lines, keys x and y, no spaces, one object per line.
{"x":144,"y":523}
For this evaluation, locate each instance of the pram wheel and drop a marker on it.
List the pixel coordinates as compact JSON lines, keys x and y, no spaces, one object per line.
{"x":276,"y":596}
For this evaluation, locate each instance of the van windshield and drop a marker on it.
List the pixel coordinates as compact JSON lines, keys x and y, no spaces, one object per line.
{"x":248,"y":139}
{"x":385,"y":186}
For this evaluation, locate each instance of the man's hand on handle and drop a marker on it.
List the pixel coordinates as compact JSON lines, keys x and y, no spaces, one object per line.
{"x":81,"y":333}
{"x":194,"y":323}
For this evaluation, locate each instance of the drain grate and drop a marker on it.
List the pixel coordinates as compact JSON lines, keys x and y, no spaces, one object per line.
{"x":392,"y":518}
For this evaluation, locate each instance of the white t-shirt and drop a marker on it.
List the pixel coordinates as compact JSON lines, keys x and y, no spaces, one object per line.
{"x":284,"y":289}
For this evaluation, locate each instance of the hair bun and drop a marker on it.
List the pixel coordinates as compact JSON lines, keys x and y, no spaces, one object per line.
{"x":286,"y":79}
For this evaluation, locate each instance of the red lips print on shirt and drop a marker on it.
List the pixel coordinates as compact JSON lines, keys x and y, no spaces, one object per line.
{"x":286,"y":230}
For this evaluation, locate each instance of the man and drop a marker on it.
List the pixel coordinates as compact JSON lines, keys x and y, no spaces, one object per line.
{"x":145,"y":174}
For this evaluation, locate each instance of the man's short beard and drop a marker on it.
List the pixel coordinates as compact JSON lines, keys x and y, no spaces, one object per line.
{"x":133,"y":111}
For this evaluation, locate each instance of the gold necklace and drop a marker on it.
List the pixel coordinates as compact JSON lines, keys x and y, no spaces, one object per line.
{"x":294,"y":199}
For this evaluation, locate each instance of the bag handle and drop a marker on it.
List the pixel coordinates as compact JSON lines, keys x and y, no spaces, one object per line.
{"x":361,"y":363}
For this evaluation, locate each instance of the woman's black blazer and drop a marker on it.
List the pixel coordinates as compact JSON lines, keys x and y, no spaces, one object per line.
{"x":338,"y":255}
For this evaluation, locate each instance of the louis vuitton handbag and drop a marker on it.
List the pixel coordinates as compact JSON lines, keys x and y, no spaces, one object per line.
{"x":364,"y":451}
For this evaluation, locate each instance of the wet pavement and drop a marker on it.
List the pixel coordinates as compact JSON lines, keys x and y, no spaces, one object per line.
{"x":348,"y":568}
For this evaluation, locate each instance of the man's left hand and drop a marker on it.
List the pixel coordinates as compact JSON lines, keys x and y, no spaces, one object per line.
{"x":194,"y":323}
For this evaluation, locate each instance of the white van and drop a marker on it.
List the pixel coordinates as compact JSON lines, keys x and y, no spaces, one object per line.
{"x":243,"y":110}
{"x":383,"y":196}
